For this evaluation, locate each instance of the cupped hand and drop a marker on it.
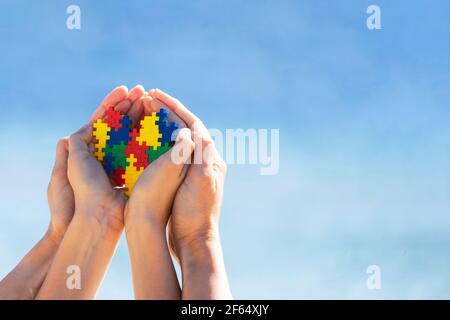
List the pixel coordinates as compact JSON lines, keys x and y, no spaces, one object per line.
{"x":152,"y":196}
{"x":60,"y":196}
{"x":196,"y":207}
{"x":94,"y":194}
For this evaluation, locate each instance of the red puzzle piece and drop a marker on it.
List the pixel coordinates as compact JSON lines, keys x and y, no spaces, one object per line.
{"x":117,"y":176}
{"x":139,"y":151}
{"x":113,"y":118}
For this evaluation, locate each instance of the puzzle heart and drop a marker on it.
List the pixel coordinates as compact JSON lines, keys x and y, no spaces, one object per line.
{"x":124,"y":151}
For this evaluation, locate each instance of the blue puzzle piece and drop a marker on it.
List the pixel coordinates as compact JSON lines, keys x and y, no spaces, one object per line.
{"x":162,"y":114}
{"x":166,"y":129}
{"x":108,"y":163}
{"x":121,"y":135}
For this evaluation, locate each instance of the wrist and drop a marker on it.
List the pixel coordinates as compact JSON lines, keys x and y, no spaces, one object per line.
{"x":199,"y":247}
{"x":203,"y":268}
{"x":24,"y":281}
{"x":100,"y":220}
{"x":105,"y":210}
{"x":88,"y":244}
{"x":136,"y":224}
{"x":139,"y":217}
{"x":54,"y":236}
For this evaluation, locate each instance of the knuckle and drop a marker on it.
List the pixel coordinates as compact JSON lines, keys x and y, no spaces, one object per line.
{"x":73,"y":138}
{"x":62,"y":142}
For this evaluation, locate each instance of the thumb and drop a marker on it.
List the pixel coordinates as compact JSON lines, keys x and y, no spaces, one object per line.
{"x":180,"y":153}
{"x":62,"y":152}
{"x":79,"y":140}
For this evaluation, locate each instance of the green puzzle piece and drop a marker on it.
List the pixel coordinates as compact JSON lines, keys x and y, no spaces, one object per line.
{"x":120,"y":158}
{"x":107,"y":149}
{"x":118,"y":153}
{"x":155,"y":154}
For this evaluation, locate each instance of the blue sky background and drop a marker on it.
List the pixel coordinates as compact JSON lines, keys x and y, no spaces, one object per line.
{"x":363,"y":116}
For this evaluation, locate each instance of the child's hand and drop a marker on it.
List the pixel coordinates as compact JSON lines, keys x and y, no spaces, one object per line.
{"x":94,"y":193}
{"x":146,"y":216}
{"x":152,"y":196}
{"x":91,"y":238}
{"x":60,"y":194}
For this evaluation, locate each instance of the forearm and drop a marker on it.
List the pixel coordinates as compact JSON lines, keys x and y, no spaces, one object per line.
{"x":153,"y":272}
{"x":24,"y":281}
{"x":203,"y":268}
{"x":88,"y":246}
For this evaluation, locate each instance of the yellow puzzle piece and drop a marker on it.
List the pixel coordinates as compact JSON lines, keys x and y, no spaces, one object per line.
{"x":131,"y":174}
{"x":149,"y":132}
{"x":101,"y":130}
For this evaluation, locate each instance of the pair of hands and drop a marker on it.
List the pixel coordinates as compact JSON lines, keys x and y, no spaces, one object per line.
{"x":186,"y":197}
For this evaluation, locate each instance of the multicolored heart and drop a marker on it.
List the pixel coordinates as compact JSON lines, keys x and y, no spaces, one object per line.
{"x":124,"y":151}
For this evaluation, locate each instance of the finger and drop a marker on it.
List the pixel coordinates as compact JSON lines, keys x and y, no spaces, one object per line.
{"x":176,"y":106}
{"x":77,"y":144}
{"x":187,"y":142}
{"x":149,"y":107}
{"x":192,"y":121}
{"x":136,"y":93}
{"x":200,"y":131}
{"x":62,"y":153}
{"x":136,"y":111}
{"x":91,"y":147}
{"x":79,"y":140}
{"x":180,"y":153}
{"x":204,"y":147}
{"x":114,"y":97}
{"x":157,"y":104}
{"x":123,"y":106}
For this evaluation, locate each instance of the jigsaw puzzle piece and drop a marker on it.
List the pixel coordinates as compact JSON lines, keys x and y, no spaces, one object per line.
{"x":162,"y":115}
{"x":101,"y":134}
{"x":167,"y":129}
{"x":155,"y":154}
{"x":131,"y":174}
{"x":149,"y":132}
{"x":118,"y":177}
{"x":139,"y":151}
{"x":108,"y":163}
{"x":122,"y":134}
{"x":113,"y":118}
{"x":120,"y":159}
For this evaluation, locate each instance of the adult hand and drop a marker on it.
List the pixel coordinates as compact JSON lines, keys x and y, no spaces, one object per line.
{"x":91,"y":239}
{"x":60,"y":196}
{"x":147,"y":213}
{"x":194,"y":224}
{"x":196,"y":208}
{"x":26,"y":279}
{"x":153,"y":194}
